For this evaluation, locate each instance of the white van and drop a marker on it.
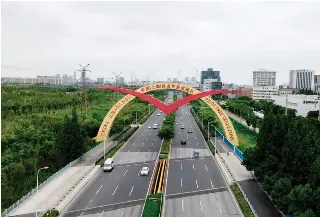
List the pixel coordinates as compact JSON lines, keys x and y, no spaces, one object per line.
{"x":108,"y":164}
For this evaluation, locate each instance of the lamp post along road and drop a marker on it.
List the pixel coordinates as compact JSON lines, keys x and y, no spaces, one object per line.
{"x":42,"y":168}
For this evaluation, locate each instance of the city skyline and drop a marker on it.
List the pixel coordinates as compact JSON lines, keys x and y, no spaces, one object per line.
{"x":38,"y":42}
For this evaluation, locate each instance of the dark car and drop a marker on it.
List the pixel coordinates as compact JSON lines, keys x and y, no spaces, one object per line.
{"x":189,"y":131}
{"x":183,"y":142}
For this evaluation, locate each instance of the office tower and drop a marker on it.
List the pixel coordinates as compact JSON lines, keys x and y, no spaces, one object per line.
{"x":301,"y":79}
{"x":264,"y":78}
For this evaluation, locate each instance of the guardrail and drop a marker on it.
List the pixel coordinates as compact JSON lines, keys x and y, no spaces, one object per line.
{"x":43,"y":184}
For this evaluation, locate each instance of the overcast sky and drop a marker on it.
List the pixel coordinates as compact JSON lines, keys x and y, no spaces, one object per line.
{"x":160,"y":38}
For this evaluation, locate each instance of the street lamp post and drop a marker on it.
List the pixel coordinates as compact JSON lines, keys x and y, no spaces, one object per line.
{"x":42,"y":168}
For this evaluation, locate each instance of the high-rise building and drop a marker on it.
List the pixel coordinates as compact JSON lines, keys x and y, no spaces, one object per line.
{"x":210,"y":74}
{"x":186,"y":79}
{"x":169,"y":79}
{"x":264,"y":78}
{"x":193,"y":79}
{"x":121,"y":80}
{"x":317,"y":83}
{"x":100,"y":80}
{"x":175,"y":79}
{"x":301,"y":79}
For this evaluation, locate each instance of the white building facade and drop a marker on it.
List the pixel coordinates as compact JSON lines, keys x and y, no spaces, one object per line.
{"x":301,"y":103}
{"x":264,"y":92}
{"x":264,"y":78}
{"x":207,"y":84}
{"x":301,"y":79}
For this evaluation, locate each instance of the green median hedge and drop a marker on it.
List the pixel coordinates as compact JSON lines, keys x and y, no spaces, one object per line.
{"x":242,"y":201}
{"x":153,"y":205}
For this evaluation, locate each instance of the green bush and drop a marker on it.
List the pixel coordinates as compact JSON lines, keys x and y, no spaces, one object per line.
{"x":153,"y":205}
{"x":51,"y":213}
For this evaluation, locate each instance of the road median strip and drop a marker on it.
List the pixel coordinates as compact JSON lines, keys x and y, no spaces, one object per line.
{"x":244,"y":205}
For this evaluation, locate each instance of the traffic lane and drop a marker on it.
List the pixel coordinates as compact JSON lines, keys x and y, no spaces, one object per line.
{"x":131,"y":186}
{"x":218,"y":204}
{"x":188,"y":175}
{"x":125,"y":209}
{"x":112,"y":187}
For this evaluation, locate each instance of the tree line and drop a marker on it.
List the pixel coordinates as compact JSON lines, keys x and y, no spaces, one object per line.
{"x":54,"y":137}
{"x":286,"y":161}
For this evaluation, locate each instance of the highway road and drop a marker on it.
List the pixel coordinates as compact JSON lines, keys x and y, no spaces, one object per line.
{"x":122,"y":191}
{"x":195,"y":187}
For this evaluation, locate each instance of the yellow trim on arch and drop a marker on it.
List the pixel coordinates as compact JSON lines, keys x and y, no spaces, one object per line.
{"x":108,"y":120}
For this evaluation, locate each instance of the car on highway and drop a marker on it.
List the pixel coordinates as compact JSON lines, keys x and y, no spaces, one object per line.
{"x":155,"y":126}
{"x":144,"y":171}
{"x":108,"y":165}
{"x":189,"y":131}
{"x":183,"y":142}
{"x":149,"y":127}
{"x":182,"y":126}
{"x":158,"y":114}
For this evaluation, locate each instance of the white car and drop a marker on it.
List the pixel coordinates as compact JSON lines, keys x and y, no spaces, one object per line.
{"x":149,"y":127}
{"x":144,"y":171}
{"x":158,"y":114}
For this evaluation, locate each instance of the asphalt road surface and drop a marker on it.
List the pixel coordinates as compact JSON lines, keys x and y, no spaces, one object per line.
{"x":111,"y":193}
{"x":195,"y":186}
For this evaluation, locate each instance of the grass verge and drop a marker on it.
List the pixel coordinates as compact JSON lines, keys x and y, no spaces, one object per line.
{"x":110,"y":153}
{"x":153,"y":205}
{"x":51,"y":213}
{"x":165,"y":149}
{"x":211,"y":146}
{"x":242,"y":201}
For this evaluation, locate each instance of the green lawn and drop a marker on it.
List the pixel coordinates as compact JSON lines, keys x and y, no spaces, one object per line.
{"x":246,"y":137}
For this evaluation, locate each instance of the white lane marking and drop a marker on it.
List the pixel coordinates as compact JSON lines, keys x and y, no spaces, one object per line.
{"x":122,"y":214}
{"x":197,"y":143}
{"x":195,"y":137}
{"x":139,"y":150}
{"x":145,"y":159}
{"x":154,"y":139}
{"x":149,"y":150}
{"x":197,"y":183}
{"x":142,"y":144}
{"x":206,"y":167}
{"x":129,"y":151}
{"x":133,"y":144}
{"x":182,"y":205}
{"x":151,"y":144}
{"x":111,"y":173}
{"x":81,"y":214}
{"x":193,"y":167}
{"x":180,"y":155}
{"x":181,"y":166}
{"x":101,"y":213}
{"x":201,"y":208}
{"x":125,"y":172}
{"x":99,"y":189}
{"x":141,"y":134}
{"x":131,"y":191}
{"x":146,"y":138}
{"x":211,"y":184}
{"x":115,"y":190}
{"x":139,"y":137}
{"x":181,"y":183}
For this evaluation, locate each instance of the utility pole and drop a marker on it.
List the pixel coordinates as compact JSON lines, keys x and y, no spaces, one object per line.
{"x":84,"y":90}
{"x":319,"y":107}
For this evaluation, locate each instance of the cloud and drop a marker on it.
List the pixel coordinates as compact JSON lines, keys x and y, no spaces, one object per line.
{"x":160,"y":37}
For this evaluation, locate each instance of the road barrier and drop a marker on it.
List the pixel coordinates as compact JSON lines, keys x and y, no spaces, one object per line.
{"x":233,"y":148}
{"x":157,"y":186}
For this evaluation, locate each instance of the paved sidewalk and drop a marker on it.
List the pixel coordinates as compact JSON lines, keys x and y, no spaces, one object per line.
{"x":256,"y":196}
{"x":53,"y":192}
